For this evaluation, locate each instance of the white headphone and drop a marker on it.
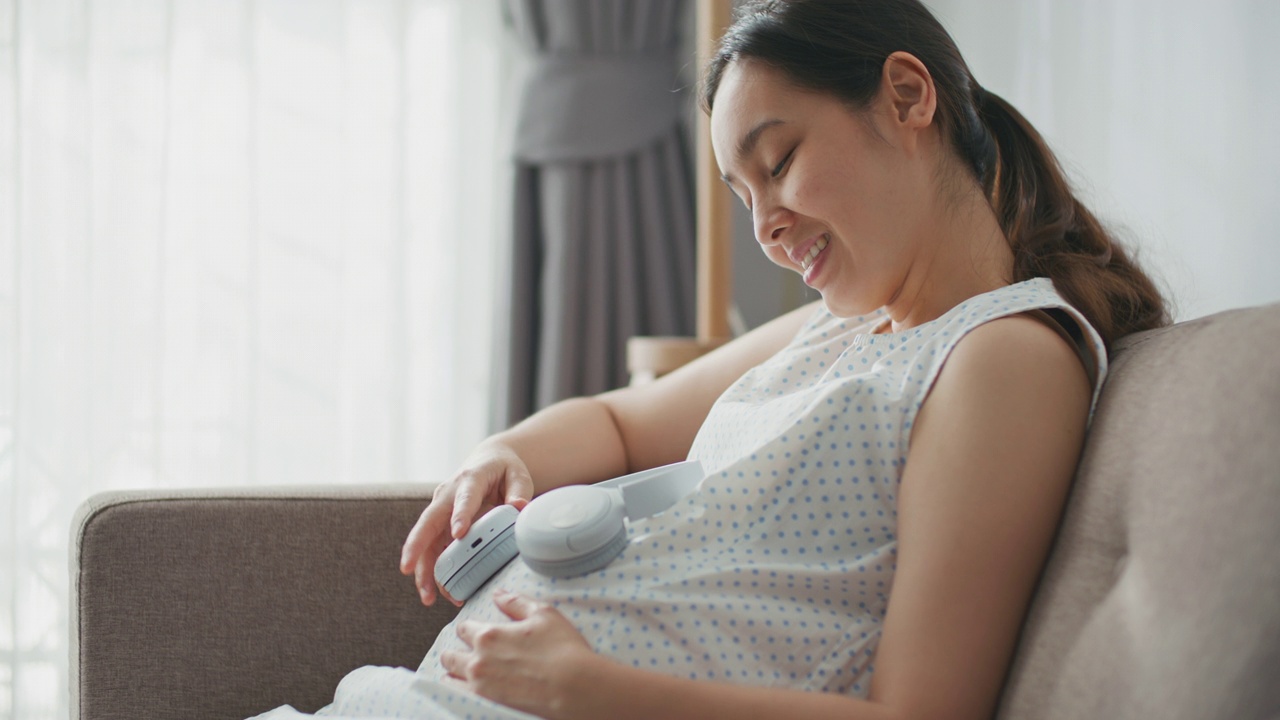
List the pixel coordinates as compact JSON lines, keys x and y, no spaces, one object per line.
{"x":568,"y":531}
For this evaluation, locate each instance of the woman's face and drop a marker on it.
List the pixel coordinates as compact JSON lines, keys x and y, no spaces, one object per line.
{"x":832,"y":192}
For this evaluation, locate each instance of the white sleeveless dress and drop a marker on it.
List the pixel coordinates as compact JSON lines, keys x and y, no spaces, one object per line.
{"x":777,"y":570}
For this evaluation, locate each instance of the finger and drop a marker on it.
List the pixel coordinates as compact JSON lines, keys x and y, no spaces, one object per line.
{"x":455,"y":682}
{"x":465,"y":507}
{"x":519,"y":488}
{"x":465,"y":631}
{"x":412,"y":544}
{"x":425,"y":569}
{"x":430,"y":525}
{"x":445,"y":594}
{"x":424,"y":579}
{"x":516,"y":607}
{"x":454,"y":664}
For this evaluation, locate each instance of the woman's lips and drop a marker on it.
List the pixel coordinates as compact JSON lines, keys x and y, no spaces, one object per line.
{"x":813,"y":260}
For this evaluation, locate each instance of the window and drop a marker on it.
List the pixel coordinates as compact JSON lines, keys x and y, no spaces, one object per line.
{"x":240,"y":243}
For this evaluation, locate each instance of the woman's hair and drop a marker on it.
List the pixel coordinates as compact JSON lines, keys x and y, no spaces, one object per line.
{"x":840,"y":46}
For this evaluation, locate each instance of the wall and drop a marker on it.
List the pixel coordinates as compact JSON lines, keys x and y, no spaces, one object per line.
{"x":1163,"y":112}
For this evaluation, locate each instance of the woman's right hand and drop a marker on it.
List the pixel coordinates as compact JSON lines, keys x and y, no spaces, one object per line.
{"x":491,"y":476}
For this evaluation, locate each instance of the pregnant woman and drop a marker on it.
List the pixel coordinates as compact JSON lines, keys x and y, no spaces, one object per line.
{"x":885,"y":469}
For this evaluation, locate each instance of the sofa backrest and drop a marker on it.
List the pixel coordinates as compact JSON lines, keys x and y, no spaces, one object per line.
{"x":1162,"y":595}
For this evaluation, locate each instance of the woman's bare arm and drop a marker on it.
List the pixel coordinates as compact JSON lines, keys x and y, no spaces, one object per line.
{"x":634,"y":428}
{"x":992,"y":455}
{"x":989,"y":466}
{"x":585,"y":440}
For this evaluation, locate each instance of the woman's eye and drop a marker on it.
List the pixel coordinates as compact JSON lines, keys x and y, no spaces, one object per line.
{"x":778,"y":170}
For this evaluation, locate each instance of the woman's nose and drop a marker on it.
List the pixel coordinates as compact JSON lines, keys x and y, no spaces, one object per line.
{"x":770,"y":221}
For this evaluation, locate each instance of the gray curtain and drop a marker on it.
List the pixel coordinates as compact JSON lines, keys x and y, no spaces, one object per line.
{"x":603,"y":241}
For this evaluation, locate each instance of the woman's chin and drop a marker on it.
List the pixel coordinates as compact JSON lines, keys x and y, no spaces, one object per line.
{"x":843,"y":307}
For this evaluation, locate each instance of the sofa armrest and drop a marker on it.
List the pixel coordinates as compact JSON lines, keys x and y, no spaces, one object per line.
{"x":226,"y":603}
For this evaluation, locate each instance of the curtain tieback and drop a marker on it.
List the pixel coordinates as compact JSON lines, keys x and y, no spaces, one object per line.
{"x":585,"y":107}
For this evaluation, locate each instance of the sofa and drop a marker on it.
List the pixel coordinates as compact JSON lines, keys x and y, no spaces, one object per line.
{"x":1161,"y":598}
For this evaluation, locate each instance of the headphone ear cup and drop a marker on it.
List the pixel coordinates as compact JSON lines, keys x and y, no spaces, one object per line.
{"x":468,"y":562}
{"x":572,"y":530}
{"x":577,"y":529}
{"x":482,"y":567}
{"x":572,"y":566}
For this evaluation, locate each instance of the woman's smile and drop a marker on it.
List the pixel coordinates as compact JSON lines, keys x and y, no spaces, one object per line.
{"x":813,"y":258}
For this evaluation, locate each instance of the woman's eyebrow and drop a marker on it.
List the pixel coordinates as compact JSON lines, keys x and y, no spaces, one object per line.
{"x":748,"y":141}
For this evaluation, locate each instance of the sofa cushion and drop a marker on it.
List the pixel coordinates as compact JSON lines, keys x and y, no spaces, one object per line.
{"x":1162,"y":595}
{"x":226,"y":603}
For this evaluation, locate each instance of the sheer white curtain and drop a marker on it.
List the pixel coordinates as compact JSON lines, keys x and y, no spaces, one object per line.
{"x":1163,"y":112}
{"x":241,"y":242}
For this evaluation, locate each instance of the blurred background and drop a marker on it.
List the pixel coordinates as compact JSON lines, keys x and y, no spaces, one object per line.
{"x":241,"y":242}
{"x":339,"y":241}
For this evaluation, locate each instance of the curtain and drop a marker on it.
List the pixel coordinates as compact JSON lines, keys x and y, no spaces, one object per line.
{"x":603,"y":235}
{"x":241,"y":242}
{"x":1162,"y":113}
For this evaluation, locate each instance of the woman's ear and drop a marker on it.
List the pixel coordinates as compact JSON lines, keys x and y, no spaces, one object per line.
{"x":908,"y":88}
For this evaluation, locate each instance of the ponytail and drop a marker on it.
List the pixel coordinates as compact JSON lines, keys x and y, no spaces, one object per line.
{"x":1053,"y":235}
{"x":839,"y":47}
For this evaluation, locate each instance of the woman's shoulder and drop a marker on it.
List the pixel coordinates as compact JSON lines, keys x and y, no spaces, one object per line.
{"x":1022,"y":339}
{"x":1027,"y":319}
{"x":1006,"y":362}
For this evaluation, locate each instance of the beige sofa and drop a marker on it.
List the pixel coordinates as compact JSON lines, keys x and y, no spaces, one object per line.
{"x":1161,"y":600}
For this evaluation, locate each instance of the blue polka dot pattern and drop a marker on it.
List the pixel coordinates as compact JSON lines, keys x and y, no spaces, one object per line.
{"x":777,"y":571}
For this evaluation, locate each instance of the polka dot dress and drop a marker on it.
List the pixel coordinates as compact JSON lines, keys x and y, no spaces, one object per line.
{"x":777,"y":571}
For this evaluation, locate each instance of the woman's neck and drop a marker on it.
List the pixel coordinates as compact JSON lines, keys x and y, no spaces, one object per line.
{"x":966,"y":255}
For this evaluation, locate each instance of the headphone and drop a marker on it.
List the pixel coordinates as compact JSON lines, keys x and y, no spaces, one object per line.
{"x":566,"y":532}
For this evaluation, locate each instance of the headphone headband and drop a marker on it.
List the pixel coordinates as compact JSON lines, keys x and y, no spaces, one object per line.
{"x":565,"y":532}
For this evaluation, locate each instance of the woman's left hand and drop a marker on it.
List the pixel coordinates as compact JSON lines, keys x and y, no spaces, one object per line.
{"x":526,"y":664}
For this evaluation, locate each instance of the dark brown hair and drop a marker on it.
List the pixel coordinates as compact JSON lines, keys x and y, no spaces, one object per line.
{"x":840,"y":46}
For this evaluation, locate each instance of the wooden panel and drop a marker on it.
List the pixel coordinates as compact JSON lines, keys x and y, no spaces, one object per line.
{"x":715,"y":222}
